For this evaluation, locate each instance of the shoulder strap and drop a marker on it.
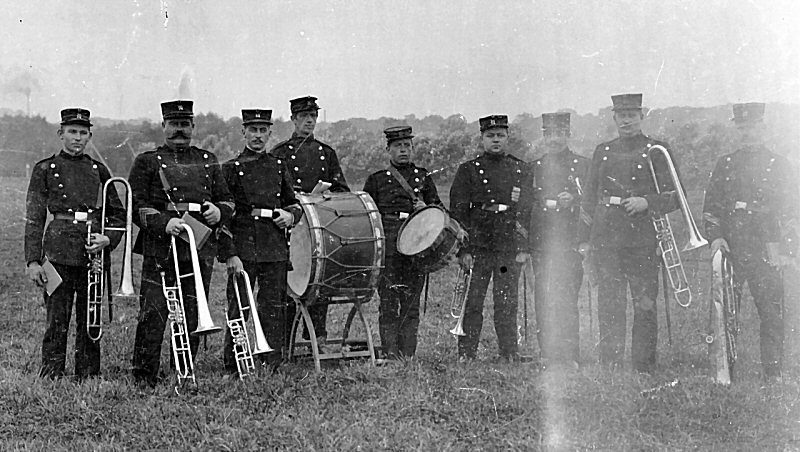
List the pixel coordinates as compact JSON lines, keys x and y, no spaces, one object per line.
{"x":403,"y":182}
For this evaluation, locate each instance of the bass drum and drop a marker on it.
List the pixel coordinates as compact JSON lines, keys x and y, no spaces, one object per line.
{"x":336,"y":249}
{"x":431,"y":238}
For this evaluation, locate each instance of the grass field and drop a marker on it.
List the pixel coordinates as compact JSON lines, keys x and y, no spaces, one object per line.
{"x":430,"y":403}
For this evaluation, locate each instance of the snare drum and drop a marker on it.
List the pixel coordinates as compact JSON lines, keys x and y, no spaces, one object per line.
{"x":431,"y":237}
{"x":336,"y":249}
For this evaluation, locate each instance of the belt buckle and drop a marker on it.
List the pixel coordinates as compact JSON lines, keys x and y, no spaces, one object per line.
{"x":740,"y":205}
{"x":550,"y":203}
{"x":402,"y":215}
{"x":81,"y":216}
{"x":193,"y":207}
{"x":615,"y":200}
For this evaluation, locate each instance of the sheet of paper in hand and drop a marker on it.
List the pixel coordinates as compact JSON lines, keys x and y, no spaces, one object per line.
{"x":53,"y":278}
{"x":321,"y":187}
{"x":201,"y":231}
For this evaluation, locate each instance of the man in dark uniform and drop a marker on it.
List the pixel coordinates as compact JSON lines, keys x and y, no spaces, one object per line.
{"x":310,"y":162}
{"x":68,"y":185}
{"x":748,"y":213}
{"x":558,"y":176}
{"x":265,"y":207}
{"x":400,"y":283}
{"x":168,"y":182}
{"x":621,"y":199}
{"x":491,"y":198}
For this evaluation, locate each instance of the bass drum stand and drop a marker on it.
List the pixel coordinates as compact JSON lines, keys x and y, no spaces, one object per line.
{"x":344,"y":347}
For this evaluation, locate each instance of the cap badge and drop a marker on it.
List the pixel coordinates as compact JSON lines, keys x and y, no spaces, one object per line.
{"x":258,"y":115}
{"x":180,"y":107}
{"x":78,"y":116}
{"x":491,"y":122}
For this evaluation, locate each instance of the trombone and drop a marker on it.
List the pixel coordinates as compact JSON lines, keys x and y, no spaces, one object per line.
{"x":179,"y":331}
{"x":96,"y":277}
{"x":666,"y":240}
{"x":242,"y":350}
{"x":458,"y":304}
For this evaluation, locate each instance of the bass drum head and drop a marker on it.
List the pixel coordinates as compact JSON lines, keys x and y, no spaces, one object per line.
{"x":421,"y":231}
{"x":300,"y":250}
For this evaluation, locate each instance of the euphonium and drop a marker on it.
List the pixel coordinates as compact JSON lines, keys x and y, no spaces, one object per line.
{"x":238,"y":328}
{"x":179,"y":331}
{"x":666,"y":240}
{"x":458,"y":304}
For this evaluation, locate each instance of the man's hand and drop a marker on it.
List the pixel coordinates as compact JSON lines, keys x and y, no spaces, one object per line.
{"x":97,"y":243}
{"x":466,"y":260}
{"x":719,"y":244}
{"x":174,"y":226}
{"x":634,"y":205}
{"x":211,"y":213}
{"x":522,"y":257}
{"x":234,"y":265}
{"x":36,"y":274}
{"x":419,"y":204}
{"x":284,"y":219}
{"x":565,"y":200}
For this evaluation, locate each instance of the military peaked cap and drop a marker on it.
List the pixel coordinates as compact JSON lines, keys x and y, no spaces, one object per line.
{"x":255,"y":115}
{"x":627,"y":101}
{"x":492,"y":121}
{"x":177,"y":109}
{"x":558,"y":120}
{"x":397,"y":133}
{"x":75,"y":116}
{"x":306,"y":103}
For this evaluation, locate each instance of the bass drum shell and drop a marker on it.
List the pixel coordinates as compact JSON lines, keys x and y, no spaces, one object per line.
{"x":431,"y":238}
{"x":336,"y":249}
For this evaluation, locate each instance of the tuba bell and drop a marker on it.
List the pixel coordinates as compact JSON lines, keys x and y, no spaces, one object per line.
{"x":242,"y":351}
{"x":458,"y":303}
{"x":666,"y":240}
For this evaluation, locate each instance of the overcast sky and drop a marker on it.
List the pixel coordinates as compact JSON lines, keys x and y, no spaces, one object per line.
{"x":121,"y":58}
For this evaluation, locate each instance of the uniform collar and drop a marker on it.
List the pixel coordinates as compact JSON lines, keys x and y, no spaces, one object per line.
{"x":179,"y":150}
{"x":308,"y":138}
{"x":493,"y":156}
{"x":402,"y":167}
{"x":247,"y":152}
{"x":66,"y":155}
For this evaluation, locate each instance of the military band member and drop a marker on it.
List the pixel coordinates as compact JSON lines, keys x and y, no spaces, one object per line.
{"x":400,"y":283}
{"x":558,"y":178}
{"x":68,"y":185}
{"x":491,"y":198}
{"x":748,"y":213}
{"x":309,"y":162}
{"x":168,"y":182}
{"x":620,"y":197}
{"x":265,"y":207}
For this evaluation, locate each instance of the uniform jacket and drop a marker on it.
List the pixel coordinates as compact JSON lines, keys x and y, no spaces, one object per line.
{"x":751,"y":200}
{"x":309,"y":161}
{"x":257,"y":181}
{"x":619,"y":168}
{"x":485,"y":181}
{"x":194,"y":176}
{"x":551,"y":226}
{"x":392,"y":199}
{"x":65,"y":184}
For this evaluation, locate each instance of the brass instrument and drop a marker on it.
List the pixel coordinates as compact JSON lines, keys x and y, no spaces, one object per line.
{"x":666,"y":240}
{"x":238,"y":328}
{"x":723,"y":321}
{"x":96,"y":278}
{"x":458,"y":303}
{"x":179,"y":335}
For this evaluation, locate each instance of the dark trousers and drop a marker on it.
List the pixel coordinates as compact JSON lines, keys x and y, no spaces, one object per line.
{"x":501,"y":267}
{"x":399,"y":288}
{"x":271,"y":305}
{"x":153,"y":312}
{"x":59,"y":310}
{"x":559,"y":274}
{"x":766,"y":287}
{"x":617,"y":270}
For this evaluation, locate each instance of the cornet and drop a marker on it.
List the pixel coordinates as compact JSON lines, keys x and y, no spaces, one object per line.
{"x":238,"y":328}
{"x":666,"y":240}
{"x":458,"y":304}
{"x":96,"y":277}
{"x":179,"y":331}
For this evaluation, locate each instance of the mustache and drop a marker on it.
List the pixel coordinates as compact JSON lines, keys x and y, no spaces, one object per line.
{"x":179,"y":134}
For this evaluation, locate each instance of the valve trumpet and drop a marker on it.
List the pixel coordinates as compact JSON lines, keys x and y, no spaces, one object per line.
{"x":242,"y":351}
{"x":666,"y":240}
{"x":458,"y":304}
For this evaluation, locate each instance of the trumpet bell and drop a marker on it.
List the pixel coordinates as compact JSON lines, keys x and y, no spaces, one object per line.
{"x":204,"y":323}
{"x":695,"y":241}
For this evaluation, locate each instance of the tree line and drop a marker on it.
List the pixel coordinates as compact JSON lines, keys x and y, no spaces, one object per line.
{"x":698,"y":136}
